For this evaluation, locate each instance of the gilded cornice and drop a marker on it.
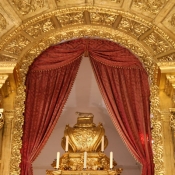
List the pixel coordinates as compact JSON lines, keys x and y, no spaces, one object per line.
{"x":153,"y":39}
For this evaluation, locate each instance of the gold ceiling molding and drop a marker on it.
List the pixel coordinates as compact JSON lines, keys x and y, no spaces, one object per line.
{"x":154,"y":39}
{"x":3,"y":22}
{"x":24,"y":7}
{"x":34,"y":36}
{"x":152,"y":6}
{"x":172,"y":21}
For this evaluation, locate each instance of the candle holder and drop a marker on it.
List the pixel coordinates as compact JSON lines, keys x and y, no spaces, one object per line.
{"x":84,"y":169}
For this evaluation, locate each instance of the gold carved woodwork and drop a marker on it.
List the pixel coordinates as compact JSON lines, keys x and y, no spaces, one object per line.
{"x":25,"y":7}
{"x":102,"y":18}
{"x":172,"y":119}
{"x":172,"y":124}
{"x":17,"y":45}
{"x":132,"y":26}
{"x":20,"y":45}
{"x":71,"y":18}
{"x":153,"y":6}
{"x":3,"y":22}
{"x":156,"y":43}
{"x":58,"y":172}
{"x":1,"y":120}
{"x":168,"y":58}
{"x":40,"y":28}
{"x":172,"y":21}
{"x":170,"y":87}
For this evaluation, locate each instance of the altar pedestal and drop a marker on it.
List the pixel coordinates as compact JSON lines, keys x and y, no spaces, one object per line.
{"x":82,"y":144}
{"x":83,"y":172}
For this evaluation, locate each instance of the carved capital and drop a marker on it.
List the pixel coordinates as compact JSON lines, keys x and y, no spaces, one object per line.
{"x":8,"y":116}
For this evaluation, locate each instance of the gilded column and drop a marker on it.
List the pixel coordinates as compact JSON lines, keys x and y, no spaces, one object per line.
{"x":6,"y":142}
{"x":167,"y":143}
{"x":172,"y":124}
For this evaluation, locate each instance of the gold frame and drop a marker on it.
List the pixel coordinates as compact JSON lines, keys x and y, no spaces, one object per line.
{"x":25,"y":44}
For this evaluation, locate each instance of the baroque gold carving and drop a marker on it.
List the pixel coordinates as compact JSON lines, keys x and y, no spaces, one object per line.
{"x":102,"y":18}
{"x":71,"y":18}
{"x":27,"y":53}
{"x":172,"y":119}
{"x":170,"y":85}
{"x":168,"y":58}
{"x":40,"y":28}
{"x":3,"y":22}
{"x":156,"y":43}
{"x":17,"y":133}
{"x":1,"y":120}
{"x":132,"y":26}
{"x":25,"y":7}
{"x":92,"y":32}
{"x":153,"y":6}
{"x":106,"y":12}
{"x":17,"y":45}
{"x":172,"y":20}
{"x":157,"y":135}
{"x":59,"y":172}
{"x":69,"y":2}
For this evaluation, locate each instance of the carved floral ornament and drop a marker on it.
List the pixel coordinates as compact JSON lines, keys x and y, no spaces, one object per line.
{"x":172,"y":118}
{"x":105,"y":26}
{"x":1,"y":120}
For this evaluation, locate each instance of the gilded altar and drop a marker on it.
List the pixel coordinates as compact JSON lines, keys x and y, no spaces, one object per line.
{"x":84,"y":136}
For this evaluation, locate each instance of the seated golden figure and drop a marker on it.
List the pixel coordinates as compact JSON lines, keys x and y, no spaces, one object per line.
{"x":83,"y":137}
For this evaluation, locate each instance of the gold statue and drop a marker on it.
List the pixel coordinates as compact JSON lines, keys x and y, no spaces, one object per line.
{"x":83,"y":137}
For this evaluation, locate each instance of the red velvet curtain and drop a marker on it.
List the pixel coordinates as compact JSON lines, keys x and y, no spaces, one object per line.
{"x":125,"y":89}
{"x":48,"y":85}
{"x":50,"y":79}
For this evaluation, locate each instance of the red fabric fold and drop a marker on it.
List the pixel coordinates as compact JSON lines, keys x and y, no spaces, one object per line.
{"x":123,"y":83}
{"x":47,"y":92}
{"x":126,"y":94}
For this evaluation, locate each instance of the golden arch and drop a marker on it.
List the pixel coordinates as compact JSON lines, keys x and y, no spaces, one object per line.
{"x":33,"y":37}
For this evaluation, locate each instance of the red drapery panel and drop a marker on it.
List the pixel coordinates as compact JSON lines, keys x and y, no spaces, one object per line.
{"x":49,"y":82}
{"x":125,"y":89}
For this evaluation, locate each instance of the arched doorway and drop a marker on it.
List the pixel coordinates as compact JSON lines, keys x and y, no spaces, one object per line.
{"x":114,"y":68}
